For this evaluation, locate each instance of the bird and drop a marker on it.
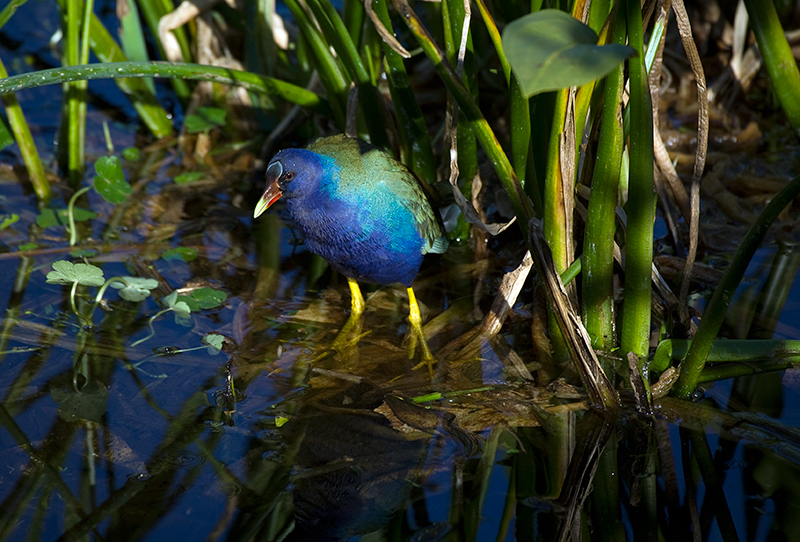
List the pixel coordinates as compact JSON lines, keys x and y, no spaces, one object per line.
{"x":363,"y":211}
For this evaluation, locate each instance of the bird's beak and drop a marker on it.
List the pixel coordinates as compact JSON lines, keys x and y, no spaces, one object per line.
{"x":272,"y":192}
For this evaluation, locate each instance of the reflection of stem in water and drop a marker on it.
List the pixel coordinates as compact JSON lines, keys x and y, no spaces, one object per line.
{"x":581,"y":470}
{"x":150,"y":325}
{"x":13,"y":305}
{"x":701,"y":453}
{"x":40,"y":463}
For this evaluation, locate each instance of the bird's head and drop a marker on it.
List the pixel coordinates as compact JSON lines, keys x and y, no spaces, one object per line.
{"x":292,"y":173}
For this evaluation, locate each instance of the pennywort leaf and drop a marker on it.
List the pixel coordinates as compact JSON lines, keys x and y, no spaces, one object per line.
{"x":65,"y":272}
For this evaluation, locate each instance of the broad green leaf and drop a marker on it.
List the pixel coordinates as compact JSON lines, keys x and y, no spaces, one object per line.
{"x":65,"y":272}
{"x":205,"y":119}
{"x":110,"y":181}
{"x":8,"y":220}
{"x":189,"y":177}
{"x":138,"y":288}
{"x":214,"y":342}
{"x":550,"y":49}
{"x":208,"y":298}
{"x":184,"y":254}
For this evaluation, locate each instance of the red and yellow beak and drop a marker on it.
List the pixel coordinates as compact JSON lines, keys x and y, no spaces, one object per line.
{"x":273,"y":192}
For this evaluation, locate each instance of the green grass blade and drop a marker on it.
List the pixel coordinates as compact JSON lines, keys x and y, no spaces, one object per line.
{"x":22,"y":134}
{"x":713,"y":316}
{"x":640,"y":206}
{"x":523,"y":207}
{"x":330,"y":73}
{"x":337,"y":34}
{"x":416,"y":148}
{"x":131,"y":37}
{"x":453,"y":16}
{"x":75,"y":92}
{"x":9,"y":10}
{"x":153,"y":10}
{"x":778,"y":58}
{"x":196,"y":72}
{"x":494,"y":35}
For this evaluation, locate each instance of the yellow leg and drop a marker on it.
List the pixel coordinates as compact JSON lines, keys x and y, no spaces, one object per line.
{"x":415,"y":319}
{"x":356,"y":299}
{"x":351,"y":331}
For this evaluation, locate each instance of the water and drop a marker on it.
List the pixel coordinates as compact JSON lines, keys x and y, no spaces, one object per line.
{"x":106,"y":434}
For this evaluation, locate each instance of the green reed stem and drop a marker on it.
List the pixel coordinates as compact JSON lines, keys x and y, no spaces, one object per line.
{"x":197,"y":72}
{"x":453,"y":17}
{"x":417,"y":150}
{"x":9,"y":10}
{"x":598,"y":244}
{"x":22,"y":134}
{"x":555,"y":215}
{"x":153,"y":10}
{"x":337,"y":35}
{"x":107,"y":50}
{"x":519,"y":200}
{"x":330,"y":73}
{"x":641,"y":201}
{"x":778,"y":58}
{"x":692,"y":366}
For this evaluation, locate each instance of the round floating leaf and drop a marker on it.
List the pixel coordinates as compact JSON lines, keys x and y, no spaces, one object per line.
{"x":214,"y":342}
{"x":180,"y":307}
{"x":138,"y":288}
{"x":110,"y":180}
{"x":184,"y":254}
{"x":87,"y":404}
{"x":550,"y":50}
{"x":208,"y":298}
{"x":65,"y":272}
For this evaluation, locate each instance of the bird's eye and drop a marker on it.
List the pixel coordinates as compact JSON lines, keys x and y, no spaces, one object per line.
{"x":289,"y":176}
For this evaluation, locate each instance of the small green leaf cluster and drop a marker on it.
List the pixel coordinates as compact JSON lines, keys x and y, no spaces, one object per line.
{"x":85,"y":274}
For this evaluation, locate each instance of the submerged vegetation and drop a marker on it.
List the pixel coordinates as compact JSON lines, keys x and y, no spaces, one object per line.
{"x":575,"y":139}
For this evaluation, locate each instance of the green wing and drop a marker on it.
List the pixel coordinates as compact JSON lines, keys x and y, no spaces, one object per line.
{"x":366,"y":166}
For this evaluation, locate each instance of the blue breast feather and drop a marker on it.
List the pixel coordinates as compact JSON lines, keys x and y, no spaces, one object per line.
{"x":362,"y":229}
